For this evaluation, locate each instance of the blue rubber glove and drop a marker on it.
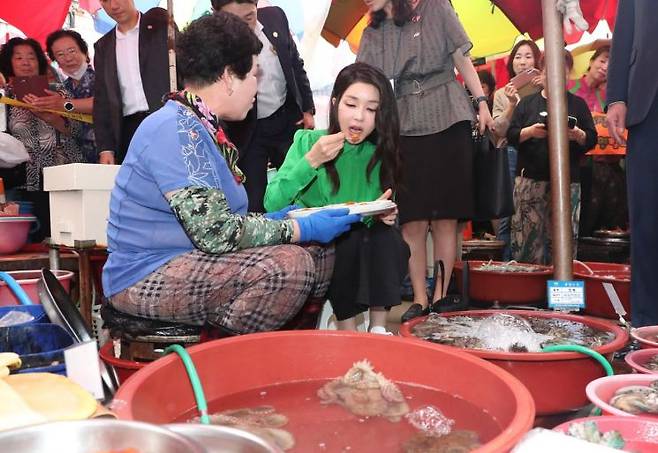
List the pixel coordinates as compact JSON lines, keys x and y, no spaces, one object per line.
{"x":280,"y":214}
{"x":324,"y":226}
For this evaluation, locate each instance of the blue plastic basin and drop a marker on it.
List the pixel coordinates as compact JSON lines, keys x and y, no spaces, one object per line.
{"x":40,"y":346}
{"x":37,"y":312}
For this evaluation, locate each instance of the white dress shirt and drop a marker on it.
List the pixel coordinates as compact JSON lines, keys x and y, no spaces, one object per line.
{"x":130,"y":79}
{"x":271,"y":80}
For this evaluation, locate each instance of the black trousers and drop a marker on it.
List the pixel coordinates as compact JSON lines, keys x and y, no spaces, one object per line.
{"x":642,"y":185}
{"x":369,"y":268}
{"x":270,"y":142}
{"x":130,"y":125}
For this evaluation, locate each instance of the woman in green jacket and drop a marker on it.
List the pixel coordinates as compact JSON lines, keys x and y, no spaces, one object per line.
{"x":355,"y":160}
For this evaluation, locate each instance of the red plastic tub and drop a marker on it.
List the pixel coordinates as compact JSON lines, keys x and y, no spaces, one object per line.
{"x":639,"y":433}
{"x":13,"y":232}
{"x":638,"y":359}
{"x":124,"y":368}
{"x":28,"y":281}
{"x":601,"y":390}
{"x":594,"y":275}
{"x":504,"y":287}
{"x":556,"y":380}
{"x":647,"y":336}
{"x":244,"y":365}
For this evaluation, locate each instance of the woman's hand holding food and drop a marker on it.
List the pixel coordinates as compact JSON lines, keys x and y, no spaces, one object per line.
{"x":325,"y":149}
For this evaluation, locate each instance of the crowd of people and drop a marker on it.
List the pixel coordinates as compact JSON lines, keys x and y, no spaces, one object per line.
{"x":196,"y":233}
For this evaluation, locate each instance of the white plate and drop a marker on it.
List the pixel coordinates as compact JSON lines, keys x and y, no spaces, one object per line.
{"x":365,"y":208}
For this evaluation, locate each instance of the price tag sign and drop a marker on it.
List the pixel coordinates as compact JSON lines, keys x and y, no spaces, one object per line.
{"x":566,"y":295}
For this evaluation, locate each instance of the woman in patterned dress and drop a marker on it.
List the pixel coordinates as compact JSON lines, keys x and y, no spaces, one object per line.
{"x":49,"y":138}
{"x":182,"y":246}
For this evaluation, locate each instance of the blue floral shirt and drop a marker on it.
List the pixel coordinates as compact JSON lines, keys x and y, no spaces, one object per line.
{"x":85,"y":89}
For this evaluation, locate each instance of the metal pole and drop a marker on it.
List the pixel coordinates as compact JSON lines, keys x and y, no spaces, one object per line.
{"x":171,"y":45}
{"x":557,"y":141}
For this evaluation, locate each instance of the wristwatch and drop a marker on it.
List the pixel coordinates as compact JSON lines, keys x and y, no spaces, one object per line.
{"x":481,"y":99}
{"x":68,"y":106}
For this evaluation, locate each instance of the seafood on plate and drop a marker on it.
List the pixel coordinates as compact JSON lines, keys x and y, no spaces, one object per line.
{"x":366,"y":393}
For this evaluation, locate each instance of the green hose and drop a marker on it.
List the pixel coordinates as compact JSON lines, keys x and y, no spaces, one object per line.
{"x":199,"y":395}
{"x":587,"y":351}
{"x":583,"y":350}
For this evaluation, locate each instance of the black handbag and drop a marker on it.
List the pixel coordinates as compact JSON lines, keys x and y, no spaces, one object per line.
{"x":493,"y":184}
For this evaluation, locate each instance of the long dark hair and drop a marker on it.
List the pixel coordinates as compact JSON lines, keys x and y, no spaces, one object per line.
{"x":7,"y":52}
{"x":385,"y":136}
{"x":536,"y":53}
{"x":402,"y":13}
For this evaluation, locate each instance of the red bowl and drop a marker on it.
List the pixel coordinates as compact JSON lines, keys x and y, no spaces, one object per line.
{"x":13,"y":232}
{"x":556,"y":380}
{"x":638,"y":359}
{"x":601,"y":390}
{"x":639,"y":433}
{"x":504,"y":287}
{"x":647,"y":336}
{"x":28,"y":281}
{"x":594,"y":275}
{"x":161,"y":392}
{"x":124,"y":368}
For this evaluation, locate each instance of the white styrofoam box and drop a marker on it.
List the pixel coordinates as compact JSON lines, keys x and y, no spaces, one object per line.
{"x":79,"y":201}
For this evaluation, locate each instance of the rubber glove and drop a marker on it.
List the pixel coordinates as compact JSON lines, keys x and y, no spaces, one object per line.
{"x":280,"y":214}
{"x":324,"y":226}
{"x":571,"y":12}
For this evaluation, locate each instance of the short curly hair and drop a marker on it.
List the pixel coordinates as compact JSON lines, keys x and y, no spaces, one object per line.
{"x":59,"y":34}
{"x":213,"y":43}
{"x":7,"y":52}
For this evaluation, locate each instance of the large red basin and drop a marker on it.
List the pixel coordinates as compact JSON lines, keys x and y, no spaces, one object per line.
{"x":556,"y":380}
{"x":638,"y":360}
{"x":594,"y":275}
{"x":639,"y":433}
{"x":161,"y":393}
{"x":504,"y":287}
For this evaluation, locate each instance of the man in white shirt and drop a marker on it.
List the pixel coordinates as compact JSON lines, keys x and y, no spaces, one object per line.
{"x":284,"y":100}
{"x":132,"y":75}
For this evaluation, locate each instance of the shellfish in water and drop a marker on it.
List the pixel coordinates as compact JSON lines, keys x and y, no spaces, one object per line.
{"x":461,"y":441}
{"x":263,"y":421}
{"x":366,"y":393}
{"x":637,"y":399}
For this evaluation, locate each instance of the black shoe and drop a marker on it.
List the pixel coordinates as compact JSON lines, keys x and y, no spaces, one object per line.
{"x":449,"y":303}
{"x":414,"y":311}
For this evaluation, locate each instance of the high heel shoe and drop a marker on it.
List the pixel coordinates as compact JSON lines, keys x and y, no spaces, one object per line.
{"x":414,"y":311}
{"x":450,"y":302}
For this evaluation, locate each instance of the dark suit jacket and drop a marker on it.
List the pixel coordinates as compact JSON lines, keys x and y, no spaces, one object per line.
{"x":633,"y":69}
{"x":154,"y":69}
{"x":275,"y":22}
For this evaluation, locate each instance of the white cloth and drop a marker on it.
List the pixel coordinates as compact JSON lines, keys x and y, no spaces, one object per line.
{"x":130,"y":79}
{"x":271,"y":80}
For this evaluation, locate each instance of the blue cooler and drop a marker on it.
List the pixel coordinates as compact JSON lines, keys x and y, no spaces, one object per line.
{"x":40,"y":346}
{"x":36,"y":311}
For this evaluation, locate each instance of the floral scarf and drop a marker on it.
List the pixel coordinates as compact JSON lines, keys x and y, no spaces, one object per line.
{"x":225,"y":147}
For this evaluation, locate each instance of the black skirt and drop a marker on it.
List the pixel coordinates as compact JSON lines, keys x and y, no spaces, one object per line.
{"x":437,"y":175}
{"x":370,"y":266}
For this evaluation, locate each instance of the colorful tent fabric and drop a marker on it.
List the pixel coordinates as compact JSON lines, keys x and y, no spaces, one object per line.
{"x":492,"y":26}
{"x":35,"y":18}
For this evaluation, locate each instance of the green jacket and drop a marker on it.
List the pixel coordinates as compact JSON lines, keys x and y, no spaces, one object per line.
{"x":296,"y":182}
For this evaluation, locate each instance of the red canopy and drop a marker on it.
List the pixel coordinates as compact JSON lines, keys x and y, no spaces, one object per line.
{"x":35,"y":18}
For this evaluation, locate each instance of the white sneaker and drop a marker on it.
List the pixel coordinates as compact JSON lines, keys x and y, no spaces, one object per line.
{"x":380,"y":330}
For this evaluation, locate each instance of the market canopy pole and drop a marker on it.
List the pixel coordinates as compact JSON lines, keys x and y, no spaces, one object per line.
{"x":171,"y":45}
{"x":557,"y":141}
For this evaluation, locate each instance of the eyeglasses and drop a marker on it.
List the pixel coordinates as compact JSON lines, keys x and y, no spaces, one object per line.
{"x":69,"y":51}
